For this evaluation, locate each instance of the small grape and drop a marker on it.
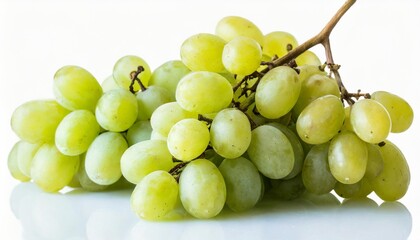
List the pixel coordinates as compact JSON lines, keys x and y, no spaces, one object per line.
{"x":308,"y":58}
{"x":139,"y":131}
{"x":13,"y":163}
{"x":242,"y":55}
{"x":125,"y":66}
{"x":233,"y":26}
{"x":278,"y":43}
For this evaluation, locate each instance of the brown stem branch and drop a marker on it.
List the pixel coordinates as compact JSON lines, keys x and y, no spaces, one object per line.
{"x":134,"y":75}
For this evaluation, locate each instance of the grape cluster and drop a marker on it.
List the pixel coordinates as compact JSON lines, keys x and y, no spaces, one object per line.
{"x":224,"y":125}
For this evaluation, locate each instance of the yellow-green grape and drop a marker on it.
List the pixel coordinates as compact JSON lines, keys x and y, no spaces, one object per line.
{"x":102,"y":161}
{"x":306,"y":71}
{"x":370,"y":120}
{"x":278,"y":43}
{"x":287,"y":189}
{"x":150,"y":99}
{"x":25,"y":153}
{"x":166,"y":115}
{"x":13,"y":164}
{"x":364,"y":190}
{"x":347,"y":190}
{"x":243,"y":183}
{"x":155,"y":135}
{"x":75,"y":88}
{"x":145,"y":157}
{"x":347,"y":157}
{"x":202,"y":189}
{"x":308,"y":58}
{"x":271,"y":152}
{"x":392,"y":183}
{"x":316,"y":175}
{"x":188,"y":139}
{"x":277,"y":92}
{"x":213,"y":157}
{"x":230,"y":133}
{"x":233,"y":26}
{"x":316,"y":86}
{"x":139,"y":131}
{"x":125,"y":66}
{"x":204,"y":92}
{"x":375,"y":163}
{"x":85,"y":182}
{"x":399,"y":110}
{"x":321,"y":120}
{"x":155,"y":196}
{"x":109,"y":84}
{"x":76,"y":132}
{"x":203,"y":52}
{"x":36,"y":121}
{"x":242,"y":55}
{"x":51,"y":170}
{"x":347,"y":123}
{"x":117,"y":110}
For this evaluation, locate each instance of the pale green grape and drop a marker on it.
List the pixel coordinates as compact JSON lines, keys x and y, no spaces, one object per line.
{"x":139,"y":131}
{"x":306,"y":71}
{"x":392,"y":183}
{"x":155,"y":196}
{"x":145,"y":157}
{"x":230,"y":133}
{"x":308,"y":58}
{"x":321,"y":120}
{"x":213,"y":157}
{"x":242,"y":55}
{"x":203,"y":52}
{"x":370,"y":120}
{"x":347,"y":157}
{"x":25,"y":153}
{"x":51,"y":170}
{"x":347,"y":190}
{"x":233,"y":26}
{"x":243,"y":183}
{"x":102,"y":161}
{"x":117,"y":110}
{"x":125,"y":66}
{"x":202,"y":189}
{"x":155,"y":135}
{"x":168,"y":75}
{"x":277,"y":92}
{"x":347,"y":123}
{"x":150,"y":99}
{"x":188,"y":139}
{"x":399,"y":110}
{"x":36,"y":121}
{"x":75,"y":88}
{"x":166,"y":115}
{"x":287,"y":189}
{"x":375,"y":163}
{"x":204,"y":92}
{"x":13,"y":163}
{"x":85,"y":182}
{"x":316,"y":175}
{"x":109,"y":84}
{"x":76,"y":132}
{"x":278,"y":43}
{"x":271,"y":152}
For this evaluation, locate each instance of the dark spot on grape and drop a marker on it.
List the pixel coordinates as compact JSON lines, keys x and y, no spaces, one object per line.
{"x":381,"y":144}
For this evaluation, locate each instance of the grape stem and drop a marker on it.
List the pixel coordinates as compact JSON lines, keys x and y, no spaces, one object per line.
{"x":134,"y":75}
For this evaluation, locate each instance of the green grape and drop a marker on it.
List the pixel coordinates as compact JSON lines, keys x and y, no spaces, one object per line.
{"x":202,"y":189}
{"x":233,"y":26}
{"x":139,"y":131}
{"x":155,"y":135}
{"x":316,"y":86}
{"x":370,"y":121}
{"x":399,"y":110}
{"x":102,"y":161}
{"x":230,"y":133}
{"x":306,"y":71}
{"x":347,"y":123}
{"x":321,"y":120}
{"x":150,"y":99}
{"x":392,"y":183}
{"x":204,"y":92}
{"x":316,"y":175}
{"x":213,"y":157}
{"x":203,"y":52}
{"x":188,"y":139}
{"x":308,"y":58}
{"x":166,"y":115}
{"x":297,"y":149}
{"x":125,"y":66}
{"x":76,"y":132}
{"x":287,"y":189}
{"x":277,"y":92}
{"x":278,"y":43}
{"x":13,"y":163}
{"x":25,"y":153}
{"x":155,"y":196}
{"x":347,"y":190}
{"x":109,"y":84}
{"x":243,"y":183}
{"x":375,"y":162}
{"x":271,"y":152}
{"x":364,"y":190}
{"x":117,"y":110}
{"x":143,"y":158}
{"x":347,"y":157}
{"x":75,"y":88}
{"x":242,"y":55}
{"x":168,"y":75}
{"x":51,"y":170}
{"x":36,"y":121}
{"x":85,"y":182}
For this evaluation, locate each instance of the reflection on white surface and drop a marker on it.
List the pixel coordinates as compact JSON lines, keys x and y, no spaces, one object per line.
{"x":107,"y":215}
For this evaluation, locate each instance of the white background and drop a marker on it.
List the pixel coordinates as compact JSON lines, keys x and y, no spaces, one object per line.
{"x":377,"y":44}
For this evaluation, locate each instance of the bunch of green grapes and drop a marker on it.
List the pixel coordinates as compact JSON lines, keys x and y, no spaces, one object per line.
{"x":224,"y":125}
